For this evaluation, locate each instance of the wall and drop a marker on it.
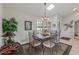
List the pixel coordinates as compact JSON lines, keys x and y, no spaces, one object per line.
{"x":0,"y":25}
{"x":74,"y":16}
{"x":21,"y":34}
{"x":77,"y":27}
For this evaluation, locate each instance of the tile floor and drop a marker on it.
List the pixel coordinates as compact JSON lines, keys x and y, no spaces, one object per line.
{"x":75,"y":45}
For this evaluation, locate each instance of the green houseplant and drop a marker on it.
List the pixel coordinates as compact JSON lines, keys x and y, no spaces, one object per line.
{"x":9,"y":27}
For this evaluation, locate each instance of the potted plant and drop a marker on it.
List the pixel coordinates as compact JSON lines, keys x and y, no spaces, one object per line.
{"x":9,"y":27}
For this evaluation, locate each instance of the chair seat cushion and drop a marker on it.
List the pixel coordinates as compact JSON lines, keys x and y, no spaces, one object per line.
{"x":49,"y":44}
{"x":36,"y":43}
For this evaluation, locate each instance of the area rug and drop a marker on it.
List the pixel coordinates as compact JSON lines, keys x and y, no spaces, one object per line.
{"x":64,"y":49}
{"x":61,"y":49}
{"x":65,"y":38}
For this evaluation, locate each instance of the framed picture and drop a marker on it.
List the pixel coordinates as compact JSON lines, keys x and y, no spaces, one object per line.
{"x":28,"y":25}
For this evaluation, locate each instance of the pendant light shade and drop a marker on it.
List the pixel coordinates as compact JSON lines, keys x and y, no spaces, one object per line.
{"x":45,"y":16}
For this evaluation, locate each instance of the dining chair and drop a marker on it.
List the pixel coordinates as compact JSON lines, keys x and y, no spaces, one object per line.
{"x":34,"y":43}
{"x":50,"y":44}
{"x":56,"y":39}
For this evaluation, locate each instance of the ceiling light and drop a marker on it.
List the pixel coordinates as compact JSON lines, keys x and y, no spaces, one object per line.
{"x":45,"y":16}
{"x":74,"y":9}
{"x":50,"y":7}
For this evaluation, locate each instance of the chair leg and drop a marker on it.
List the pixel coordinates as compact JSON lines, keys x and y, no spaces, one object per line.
{"x":34,"y":50}
{"x":51,"y":51}
{"x":56,"y":48}
{"x":43,"y":50}
{"x":30,"y":48}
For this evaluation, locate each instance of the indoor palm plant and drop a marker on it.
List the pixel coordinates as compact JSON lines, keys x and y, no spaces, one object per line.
{"x":9,"y":27}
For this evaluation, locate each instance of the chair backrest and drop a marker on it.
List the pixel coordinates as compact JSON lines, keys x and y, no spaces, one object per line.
{"x":32,"y":38}
{"x":53,"y":37}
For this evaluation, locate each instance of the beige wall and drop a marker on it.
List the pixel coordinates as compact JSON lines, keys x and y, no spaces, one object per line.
{"x":74,"y":16}
{"x":21,"y":34}
{"x":0,"y":24}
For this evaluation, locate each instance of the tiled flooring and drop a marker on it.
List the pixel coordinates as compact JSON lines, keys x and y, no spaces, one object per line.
{"x":75,"y":45}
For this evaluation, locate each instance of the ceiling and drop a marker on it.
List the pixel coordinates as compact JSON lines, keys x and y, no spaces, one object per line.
{"x":37,"y":9}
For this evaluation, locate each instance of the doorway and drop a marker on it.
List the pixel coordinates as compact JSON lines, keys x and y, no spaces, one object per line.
{"x":77,"y":28}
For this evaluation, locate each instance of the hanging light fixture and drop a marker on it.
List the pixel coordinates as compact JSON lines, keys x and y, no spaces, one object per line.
{"x":45,"y":16}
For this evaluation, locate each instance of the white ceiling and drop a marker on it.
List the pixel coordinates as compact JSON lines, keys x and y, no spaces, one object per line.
{"x":37,"y":9}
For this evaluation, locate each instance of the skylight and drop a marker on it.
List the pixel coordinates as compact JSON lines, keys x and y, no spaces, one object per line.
{"x":74,"y":9}
{"x":50,"y":7}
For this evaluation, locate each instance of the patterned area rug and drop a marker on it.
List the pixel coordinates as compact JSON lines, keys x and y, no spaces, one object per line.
{"x":65,"y":38}
{"x":60,"y":49}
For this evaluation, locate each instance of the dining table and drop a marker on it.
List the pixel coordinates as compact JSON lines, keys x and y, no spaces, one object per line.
{"x":42,"y":38}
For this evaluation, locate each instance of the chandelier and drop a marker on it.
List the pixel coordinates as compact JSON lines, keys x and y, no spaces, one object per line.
{"x":45,"y":16}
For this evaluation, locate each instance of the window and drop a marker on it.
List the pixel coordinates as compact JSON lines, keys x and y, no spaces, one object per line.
{"x":43,"y":25}
{"x":39,"y":25}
